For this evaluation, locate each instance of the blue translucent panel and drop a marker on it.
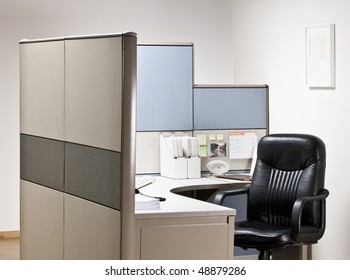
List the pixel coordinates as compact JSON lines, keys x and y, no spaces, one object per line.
{"x":230,"y":108}
{"x":164,"y":88}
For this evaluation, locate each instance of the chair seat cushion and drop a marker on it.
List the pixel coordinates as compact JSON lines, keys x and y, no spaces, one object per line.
{"x":255,"y":234}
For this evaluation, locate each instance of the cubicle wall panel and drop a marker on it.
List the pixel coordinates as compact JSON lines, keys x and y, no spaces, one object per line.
{"x":230,"y":108}
{"x":77,"y":119}
{"x":93,"y":86}
{"x":42,"y":161}
{"x":91,"y":231}
{"x":222,"y":137}
{"x":42,"y":89}
{"x":93,"y":174}
{"x":164,"y":87}
{"x":147,"y":152}
{"x":41,"y":211}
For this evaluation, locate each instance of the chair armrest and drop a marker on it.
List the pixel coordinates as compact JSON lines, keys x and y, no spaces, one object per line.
{"x":297,"y":213}
{"x":223,"y":193}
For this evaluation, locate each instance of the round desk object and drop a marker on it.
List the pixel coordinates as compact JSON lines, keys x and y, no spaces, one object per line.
{"x":218,"y":167}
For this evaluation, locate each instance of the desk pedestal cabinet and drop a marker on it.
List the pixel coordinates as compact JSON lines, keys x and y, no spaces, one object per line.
{"x":183,"y":227}
{"x":178,"y":238}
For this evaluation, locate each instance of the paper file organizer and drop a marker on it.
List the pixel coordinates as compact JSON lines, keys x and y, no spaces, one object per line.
{"x":179,"y":157}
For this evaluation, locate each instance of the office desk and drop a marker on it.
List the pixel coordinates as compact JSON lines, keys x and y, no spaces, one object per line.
{"x":185,"y":228}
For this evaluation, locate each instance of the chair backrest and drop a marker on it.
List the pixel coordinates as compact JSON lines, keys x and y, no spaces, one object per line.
{"x":288,"y":166}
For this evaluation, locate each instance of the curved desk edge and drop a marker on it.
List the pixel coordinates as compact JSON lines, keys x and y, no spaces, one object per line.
{"x":178,"y":205}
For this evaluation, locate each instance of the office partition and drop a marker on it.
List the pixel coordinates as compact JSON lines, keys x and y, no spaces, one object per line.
{"x":78,"y":104}
{"x":164,"y":87}
{"x":164,"y":98}
{"x":221,"y":115}
{"x":230,"y":107}
{"x":78,"y":133}
{"x":230,"y":120}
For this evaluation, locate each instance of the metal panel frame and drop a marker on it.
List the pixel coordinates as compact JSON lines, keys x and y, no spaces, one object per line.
{"x":128,"y":147}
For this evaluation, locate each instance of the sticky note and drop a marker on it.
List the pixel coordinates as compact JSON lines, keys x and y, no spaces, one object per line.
{"x":220,"y":137}
{"x":212,"y":137}
{"x":202,"y":139}
{"x":203,"y":151}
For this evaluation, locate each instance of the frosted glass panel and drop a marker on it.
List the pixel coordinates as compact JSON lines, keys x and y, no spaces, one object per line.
{"x":164,"y":88}
{"x":230,"y":108}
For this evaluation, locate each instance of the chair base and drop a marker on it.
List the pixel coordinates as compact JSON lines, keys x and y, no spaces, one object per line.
{"x":265,"y":255}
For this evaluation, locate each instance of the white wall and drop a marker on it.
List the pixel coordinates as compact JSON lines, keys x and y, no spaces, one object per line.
{"x":206,"y":23}
{"x":269,"y":47}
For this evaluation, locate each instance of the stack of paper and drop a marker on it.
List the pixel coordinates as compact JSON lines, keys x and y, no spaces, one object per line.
{"x":182,"y":146}
{"x":190,"y":146}
{"x":174,"y":146}
{"x":179,"y":157}
{"x":146,"y":203}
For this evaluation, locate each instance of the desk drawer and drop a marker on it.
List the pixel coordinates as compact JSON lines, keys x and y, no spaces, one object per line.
{"x":181,"y":241}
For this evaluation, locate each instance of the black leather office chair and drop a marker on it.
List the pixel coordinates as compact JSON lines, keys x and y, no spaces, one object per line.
{"x":286,"y":197}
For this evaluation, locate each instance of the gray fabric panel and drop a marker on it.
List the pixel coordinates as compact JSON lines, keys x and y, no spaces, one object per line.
{"x":230,"y":108}
{"x":93,"y":174}
{"x":42,"y":161}
{"x":164,"y":88}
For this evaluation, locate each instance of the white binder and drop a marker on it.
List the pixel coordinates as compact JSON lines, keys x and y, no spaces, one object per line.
{"x":176,"y":160}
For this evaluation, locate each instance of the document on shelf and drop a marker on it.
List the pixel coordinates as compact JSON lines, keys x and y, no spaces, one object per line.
{"x":182,"y":146}
{"x":190,"y":146}
{"x":146,"y":203}
{"x":174,"y":145}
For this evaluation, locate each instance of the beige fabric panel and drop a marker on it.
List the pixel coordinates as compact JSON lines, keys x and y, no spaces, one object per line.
{"x":41,"y":222}
{"x":42,"y":89}
{"x":235,"y":164}
{"x":72,"y":91}
{"x":92,"y":231}
{"x":93,"y":89}
{"x":148,"y":151}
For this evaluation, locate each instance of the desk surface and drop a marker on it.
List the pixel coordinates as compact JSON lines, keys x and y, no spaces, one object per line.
{"x":178,"y":205}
